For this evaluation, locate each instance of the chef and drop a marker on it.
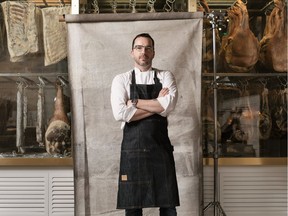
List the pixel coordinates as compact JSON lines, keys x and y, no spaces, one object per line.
{"x":141,"y":99}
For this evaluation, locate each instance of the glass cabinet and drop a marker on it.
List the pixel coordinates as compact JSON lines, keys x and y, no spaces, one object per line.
{"x":251,"y":117}
{"x":250,"y":85}
{"x":251,"y":105}
{"x":34,"y":84}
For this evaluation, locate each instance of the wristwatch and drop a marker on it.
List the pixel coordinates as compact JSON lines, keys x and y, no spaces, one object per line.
{"x":134,"y":102}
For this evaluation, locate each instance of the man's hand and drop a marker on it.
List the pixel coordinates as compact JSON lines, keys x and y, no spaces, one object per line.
{"x":129,"y":103}
{"x":163,"y":92}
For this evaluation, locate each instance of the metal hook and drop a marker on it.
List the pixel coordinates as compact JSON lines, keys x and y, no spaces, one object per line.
{"x":234,"y":3}
{"x":113,"y":5}
{"x":283,"y":83}
{"x":150,"y":6}
{"x":20,"y":84}
{"x":28,"y":82}
{"x":263,"y":82}
{"x":63,"y":81}
{"x":168,"y":7}
{"x":267,"y":5}
{"x":96,"y":7}
{"x":132,"y":4}
{"x":61,"y":3}
{"x":42,"y":82}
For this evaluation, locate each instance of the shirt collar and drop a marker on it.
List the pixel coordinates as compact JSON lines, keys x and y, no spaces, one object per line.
{"x":138,"y":71}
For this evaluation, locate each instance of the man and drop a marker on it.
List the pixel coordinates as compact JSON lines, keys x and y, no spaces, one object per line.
{"x":141,"y":99}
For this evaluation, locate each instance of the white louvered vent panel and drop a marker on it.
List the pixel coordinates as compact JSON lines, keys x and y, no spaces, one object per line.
{"x":208,"y":191}
{"x":254,"y":193}
{"x":23,"y":196}
{"x":62,"y":196}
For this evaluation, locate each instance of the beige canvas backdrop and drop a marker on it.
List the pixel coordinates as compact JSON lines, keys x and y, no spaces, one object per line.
{"x":97,"y":51}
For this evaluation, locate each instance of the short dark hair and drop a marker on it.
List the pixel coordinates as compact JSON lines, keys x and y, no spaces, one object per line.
{"x":146,"y":35}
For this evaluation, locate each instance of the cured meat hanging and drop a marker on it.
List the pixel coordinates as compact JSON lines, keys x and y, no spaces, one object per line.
{"x":265,"y":121}
{"x":20,"y":118}
{"x":274,"y":44}
{"x":54,"y":34}
{"x":281,"y":112}
{"x":22,"y":29}
{"x":247,"y":117}
{"x":207,"y":40}
{"x":25,"y":109}
{"x":57,"y":135}
{"x":40,"y":125}
{"x":240,"y":48}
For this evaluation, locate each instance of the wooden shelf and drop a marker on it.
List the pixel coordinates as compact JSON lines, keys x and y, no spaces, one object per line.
{"x":36,"y":162}
{"x":246,"y":161}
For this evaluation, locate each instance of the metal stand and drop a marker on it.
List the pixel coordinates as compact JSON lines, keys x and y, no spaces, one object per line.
{"x":216,"y":204}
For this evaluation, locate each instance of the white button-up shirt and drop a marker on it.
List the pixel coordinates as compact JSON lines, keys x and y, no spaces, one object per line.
{"x":120,"y":92}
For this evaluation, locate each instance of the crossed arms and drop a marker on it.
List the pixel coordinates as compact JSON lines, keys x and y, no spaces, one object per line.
{"x":146,"y":108}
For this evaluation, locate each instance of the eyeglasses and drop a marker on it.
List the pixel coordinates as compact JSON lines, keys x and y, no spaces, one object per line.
{"x":139,"y":48}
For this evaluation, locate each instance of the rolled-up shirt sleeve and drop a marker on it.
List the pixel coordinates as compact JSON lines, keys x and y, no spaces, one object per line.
{"x":169,"y":101}
{"x":119,"y":98}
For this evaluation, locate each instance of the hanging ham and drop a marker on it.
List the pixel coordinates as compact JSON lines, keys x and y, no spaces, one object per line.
{"x":274,"y":44}
{"x":207,"y":40}
{"x":240,"y":48}
{"x":57,"y":136}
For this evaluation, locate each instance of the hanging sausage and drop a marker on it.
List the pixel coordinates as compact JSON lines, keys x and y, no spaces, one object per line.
{"x":265,"y":121}
{"x":20,"y":118}
{"x":40,"y":114}
{"x":281,"y":111}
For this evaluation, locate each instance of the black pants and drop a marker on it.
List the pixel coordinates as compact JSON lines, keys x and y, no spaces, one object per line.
{"x":163,"y":212}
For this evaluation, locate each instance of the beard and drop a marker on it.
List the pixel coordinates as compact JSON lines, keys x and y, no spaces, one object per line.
{"x":143,"y":61}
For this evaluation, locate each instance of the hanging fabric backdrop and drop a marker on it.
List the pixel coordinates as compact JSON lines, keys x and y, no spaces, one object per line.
{"x":99,"y":48}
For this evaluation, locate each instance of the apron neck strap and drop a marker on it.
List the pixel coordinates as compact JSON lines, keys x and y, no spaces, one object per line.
{"x":156,"y":80}
{"x":133,"y":77}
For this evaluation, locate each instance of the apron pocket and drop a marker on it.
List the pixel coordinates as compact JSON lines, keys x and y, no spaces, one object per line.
{"x":135,"y":166}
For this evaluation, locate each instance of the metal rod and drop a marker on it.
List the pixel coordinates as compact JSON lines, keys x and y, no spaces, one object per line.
{"x":267,"y":5}
{"x":31,"y":74}
{"x":245,"y":74}
{"x":216,"y":204}
{"x":215,"y":118}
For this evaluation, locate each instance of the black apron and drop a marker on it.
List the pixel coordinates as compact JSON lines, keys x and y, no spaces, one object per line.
{"x":147,"y":168}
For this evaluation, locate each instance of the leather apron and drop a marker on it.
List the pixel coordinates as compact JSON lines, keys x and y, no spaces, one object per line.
{"x":147,"y":169}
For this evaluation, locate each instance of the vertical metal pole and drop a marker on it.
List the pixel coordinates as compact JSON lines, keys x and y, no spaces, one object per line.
{"x":216,"y":204}
{"x":215,"y":115}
